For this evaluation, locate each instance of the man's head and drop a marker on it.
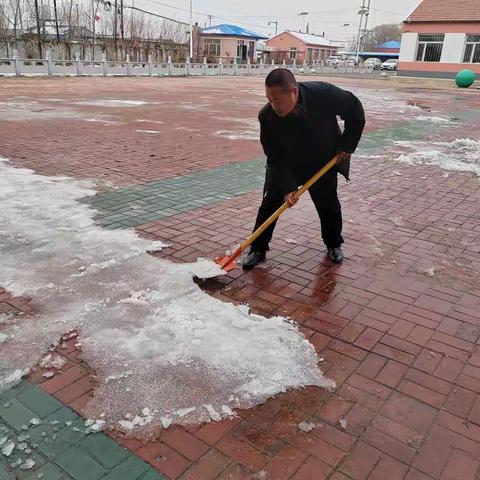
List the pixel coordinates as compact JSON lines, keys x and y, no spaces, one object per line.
{"x":282,"y":91}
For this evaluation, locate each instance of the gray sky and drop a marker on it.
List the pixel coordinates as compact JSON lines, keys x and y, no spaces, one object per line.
{"x":325,"y":15}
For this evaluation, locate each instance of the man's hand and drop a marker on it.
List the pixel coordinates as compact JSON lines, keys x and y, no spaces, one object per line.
{"x":291,"y":198}
{"x":343,"y":157}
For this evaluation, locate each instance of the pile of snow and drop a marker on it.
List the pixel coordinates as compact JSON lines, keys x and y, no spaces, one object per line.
{"x":462,"y":154}
{"x":164,"y":351}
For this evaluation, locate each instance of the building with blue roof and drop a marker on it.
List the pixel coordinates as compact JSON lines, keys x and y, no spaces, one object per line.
{"x":229,"y":43}
{"x":391,"y":45}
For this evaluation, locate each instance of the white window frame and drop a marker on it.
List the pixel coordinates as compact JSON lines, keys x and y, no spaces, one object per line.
{"x":213,"y":42}
{"x":293,"y":53}
{"x":473,"y":41}
{"x":424,"y":45}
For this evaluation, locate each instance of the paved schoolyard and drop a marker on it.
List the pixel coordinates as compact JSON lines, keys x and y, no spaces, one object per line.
{"x":397,"y":325}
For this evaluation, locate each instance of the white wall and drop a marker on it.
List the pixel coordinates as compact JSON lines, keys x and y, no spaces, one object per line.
{"x":408,"y":47}
{"x":453,"y":48}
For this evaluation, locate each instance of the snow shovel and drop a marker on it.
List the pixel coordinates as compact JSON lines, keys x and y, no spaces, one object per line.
{"x":228,"y":262}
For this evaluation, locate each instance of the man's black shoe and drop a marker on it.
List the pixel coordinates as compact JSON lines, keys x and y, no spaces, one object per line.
{"x":253,"y":259}
{"x":335,"y":255}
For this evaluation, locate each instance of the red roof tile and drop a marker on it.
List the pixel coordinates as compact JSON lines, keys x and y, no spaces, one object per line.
{"x":446,"y":11}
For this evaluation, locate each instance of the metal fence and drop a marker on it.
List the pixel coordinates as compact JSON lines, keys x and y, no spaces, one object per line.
{"x":43,"y":67}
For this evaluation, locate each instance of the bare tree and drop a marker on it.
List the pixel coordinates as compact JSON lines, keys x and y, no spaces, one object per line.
{"x":380,"y":34}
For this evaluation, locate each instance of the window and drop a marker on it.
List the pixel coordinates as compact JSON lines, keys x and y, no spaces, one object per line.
{"x":430,"y":47}
{"x":316,"y":52}
{"x":212,"y":47}
{"x":472,"y":49}
{"x":293,"y":53}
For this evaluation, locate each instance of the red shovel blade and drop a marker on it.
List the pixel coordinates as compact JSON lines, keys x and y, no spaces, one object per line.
{"x":227,"y":263}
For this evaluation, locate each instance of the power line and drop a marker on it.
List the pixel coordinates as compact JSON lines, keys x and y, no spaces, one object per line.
{"x":157,"y":15}
{"x":388,"y":11}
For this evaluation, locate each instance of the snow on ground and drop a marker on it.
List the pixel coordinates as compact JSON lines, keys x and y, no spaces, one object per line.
{"x":164,"y":351}
{"x":32,"y":110}
{"x":112,"y":102}
{"x":462,"y":154}
{"x":250,"y":129}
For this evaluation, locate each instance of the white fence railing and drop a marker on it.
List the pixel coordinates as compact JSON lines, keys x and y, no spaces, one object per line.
{"x":42,"y":67}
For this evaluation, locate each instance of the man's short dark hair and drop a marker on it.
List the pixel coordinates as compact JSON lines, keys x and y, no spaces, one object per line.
{"x":281,"y":77}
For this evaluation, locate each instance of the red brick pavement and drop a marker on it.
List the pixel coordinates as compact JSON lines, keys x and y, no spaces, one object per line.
{"x":402,"y":347}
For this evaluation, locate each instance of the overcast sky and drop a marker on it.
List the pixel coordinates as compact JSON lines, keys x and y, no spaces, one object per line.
{"x":325,"y":15}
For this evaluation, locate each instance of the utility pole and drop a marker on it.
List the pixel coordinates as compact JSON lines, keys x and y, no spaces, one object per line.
{"x":39,"y":37}
{"x":367,"y":13}
{"x":304,"y":15}
{"x":94,"y":28}
{"x":276,"y":26}
{"x":115,"y":28}
{"x":361,"y":12}
{"x":191,"y":30}
{"x":56,"y":19}
{"x":122,"y":33}
{"x":210,"y":20}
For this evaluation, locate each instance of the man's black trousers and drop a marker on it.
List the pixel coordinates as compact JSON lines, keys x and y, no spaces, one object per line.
{"x":325,"y":198}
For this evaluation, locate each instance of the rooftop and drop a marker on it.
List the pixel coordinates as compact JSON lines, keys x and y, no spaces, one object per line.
{"x":446,"y":11}
{"x":231,"y":30}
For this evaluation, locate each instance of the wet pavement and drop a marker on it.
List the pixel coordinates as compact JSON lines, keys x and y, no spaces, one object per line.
{"x":397,"y":325}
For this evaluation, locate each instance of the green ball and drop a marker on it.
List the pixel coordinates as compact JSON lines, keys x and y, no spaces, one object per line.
{"x":464,"y":78}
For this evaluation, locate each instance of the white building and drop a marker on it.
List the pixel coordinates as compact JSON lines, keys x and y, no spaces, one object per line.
{"x":440,"y":38}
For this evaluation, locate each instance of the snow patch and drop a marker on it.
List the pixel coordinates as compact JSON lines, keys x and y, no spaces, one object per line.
{"x":433,"y":119}
{"x":8,"y":448}
{"x":462,"y":154}
{"x":241,"y":135}
{"x":52,"y":360}
{"x":112,"y":103}
{"x":306,"y":427}
{"x":100,"y":120}
{"x":142,"y":120}
{"x":427,"y":271}
{"x":183,"y":348}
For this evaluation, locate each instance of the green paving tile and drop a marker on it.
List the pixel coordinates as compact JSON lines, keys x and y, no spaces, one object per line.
{"x":48,"y":472}
{"x":5,"y":475}
{"x":39,"y":402}
{"x":79,"y":465}
{"x":19,"y":472}
{"x":54,"y":424}
{"x":57,"y":442}
{"x":14,"y":392}
{"x":65,"y":415}
{"x":130,"y":469}
{"x":59,"y":446}
{"x":104,"y":449}
{"x":15,"y":414}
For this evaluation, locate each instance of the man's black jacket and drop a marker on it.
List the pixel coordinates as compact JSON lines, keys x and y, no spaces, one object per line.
{"x":298,"y":145}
